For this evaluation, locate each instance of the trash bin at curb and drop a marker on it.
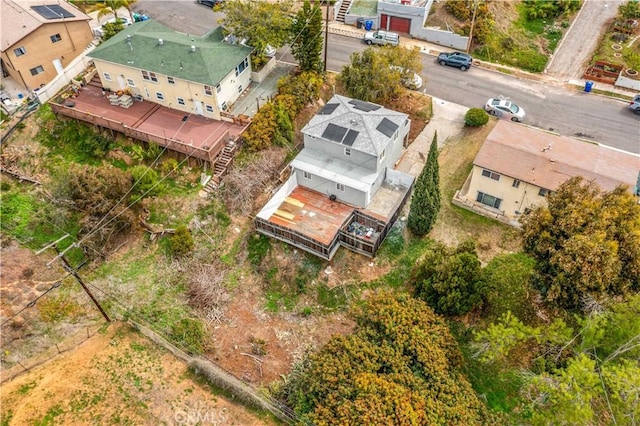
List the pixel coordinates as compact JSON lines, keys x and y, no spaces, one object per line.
{"x":588,"y":85}
{"x":368,"y":25}
{"x":360,"y":23}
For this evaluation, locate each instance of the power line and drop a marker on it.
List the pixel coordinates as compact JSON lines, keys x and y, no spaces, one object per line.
{"x":33,"y":302}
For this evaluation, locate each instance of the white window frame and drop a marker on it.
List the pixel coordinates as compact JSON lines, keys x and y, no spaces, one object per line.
{"x":181,"y":101}
{"x":106,"y":76}
{"x":208,"y":90}
{"x":242,"y":66}
{"x":484,"y":198}
{"x":131,"y":82}
{"x":384,"y":152}
{"x":160,"y":96}
{"x":223,"y":106}
{"x":516,"y":183}
{"x":19,"y":51}
{"x":347,"y":152}
{"x":306,"y":175}
{"x":171,"y":80}
{"x":543,"y":192}
{"x":218,"y":88}
{"x":208,"y":108}
{"x":340,"y":187}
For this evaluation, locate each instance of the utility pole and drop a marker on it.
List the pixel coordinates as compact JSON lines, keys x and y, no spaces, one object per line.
{"x":67,"y":267}
{"x":473,"y":23}
{"x":326,"y":36}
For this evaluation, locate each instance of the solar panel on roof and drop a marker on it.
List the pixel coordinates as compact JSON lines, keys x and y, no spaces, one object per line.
{"x":52,"y":11}
{"x":350,"y":138}
{"x":328,"y":109}
{"x":364,"y":106}
{"x":334,"y":133}
{"x":387,"y":127}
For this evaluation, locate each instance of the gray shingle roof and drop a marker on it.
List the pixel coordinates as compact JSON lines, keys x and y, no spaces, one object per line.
{"x":345,"y":114}
{"x":138,"y":46}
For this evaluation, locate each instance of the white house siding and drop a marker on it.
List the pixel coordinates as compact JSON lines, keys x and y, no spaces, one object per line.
{"x":350,"y":195}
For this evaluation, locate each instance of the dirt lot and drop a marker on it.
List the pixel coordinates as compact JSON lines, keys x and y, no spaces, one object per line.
{"x":117,"y":377}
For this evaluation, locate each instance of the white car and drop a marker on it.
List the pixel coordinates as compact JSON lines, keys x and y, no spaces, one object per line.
{"x":412,"y":82}
{"x":504,"y":108}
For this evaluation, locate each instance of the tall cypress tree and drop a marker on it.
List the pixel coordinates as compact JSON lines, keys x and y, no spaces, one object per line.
{"x":306,"y":38}
{"x":425,"y":202}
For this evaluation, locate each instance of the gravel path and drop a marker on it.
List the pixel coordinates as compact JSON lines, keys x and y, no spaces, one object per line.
{"x":575,"y":50}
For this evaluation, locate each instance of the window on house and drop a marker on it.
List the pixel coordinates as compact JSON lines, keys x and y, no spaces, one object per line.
{"x":209,"y":108}
{"x":218,"y":88}
{"x":242,"y":66}
{"x":149,"y":76}
{"x":516,"y":183}
{"x":37,"y":70}
{"x":488,"y":200}
{"x":107,"y":76}
{"x":543,"y":192}
{"x":306,"y":175}
{"x":170,"y":80}
{"x":159,"y":96}
{"x":490,"y":174}
{"x":347,"y":152}
{"x":340,"y":187}
{"x":240,"y":89}
{"x":55,"y":38}
{"x":180,"y":101}
{"x":208,"y":90}
{"x":146,"y":92}
{"x":384,"y":151}
{"x":131,"y":83}
{"x":20,"y":51}
{"x":223,"y":106}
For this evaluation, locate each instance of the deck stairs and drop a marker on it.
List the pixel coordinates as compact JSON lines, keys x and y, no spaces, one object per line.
{"x":344,"y":9}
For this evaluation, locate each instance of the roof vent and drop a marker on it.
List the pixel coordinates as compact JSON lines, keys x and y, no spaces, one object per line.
{"x":160,"y":41}
{"x":193,"y":48}
{"x":128,"y":37}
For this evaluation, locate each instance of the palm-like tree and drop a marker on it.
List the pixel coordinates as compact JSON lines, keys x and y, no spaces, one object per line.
{"x":108,"y":7}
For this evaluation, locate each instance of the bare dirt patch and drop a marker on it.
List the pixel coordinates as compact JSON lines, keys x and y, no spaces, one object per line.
{"x":117,"y":377}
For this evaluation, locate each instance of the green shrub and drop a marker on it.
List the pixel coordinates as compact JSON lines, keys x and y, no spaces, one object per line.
{"x":476,"y":117}
{"x":181,"y":243}
{"x":257,"y":247}
{"x":147,"y":182}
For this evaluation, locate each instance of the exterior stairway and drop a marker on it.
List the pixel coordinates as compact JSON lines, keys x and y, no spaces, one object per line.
{"x":223,"y":162}
{"x":344,"y":8}
{"x":95,"y":82}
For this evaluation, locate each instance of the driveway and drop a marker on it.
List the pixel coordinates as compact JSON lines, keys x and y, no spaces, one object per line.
{"x":574,"y":52}
{"x":182,"y":16}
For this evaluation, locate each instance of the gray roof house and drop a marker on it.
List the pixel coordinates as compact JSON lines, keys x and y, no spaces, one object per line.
{"x":343,"y":189}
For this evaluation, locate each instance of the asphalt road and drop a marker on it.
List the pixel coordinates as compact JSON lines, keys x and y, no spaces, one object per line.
{"x":550,"y":107}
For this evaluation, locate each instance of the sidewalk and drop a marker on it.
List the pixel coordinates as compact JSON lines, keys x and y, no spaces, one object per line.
{"x":433,"y":49}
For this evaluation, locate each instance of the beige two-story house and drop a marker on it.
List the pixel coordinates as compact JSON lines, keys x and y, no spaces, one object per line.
{"x":199,"y":75}
{"x":40,"y":38}
{"x":517,"y":166}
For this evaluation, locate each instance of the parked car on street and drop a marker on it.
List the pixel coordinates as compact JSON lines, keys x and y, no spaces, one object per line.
{"x":504,"y":108}
{"x":209,"y":3}
{"x":382,"y":38}
{"x":456,"y":59}
{"x":635,"y":104}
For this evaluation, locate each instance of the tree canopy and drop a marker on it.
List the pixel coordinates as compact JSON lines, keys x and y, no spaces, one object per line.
{"x":451,"y":280}
{"x":588,"y":376}
{"x":400,"y":366}
{"x":306,"y":38}
{"x":373,"y":75}
{"x":425,"y":201}
{"x":260,"y":23}
{"x":586,"y":243}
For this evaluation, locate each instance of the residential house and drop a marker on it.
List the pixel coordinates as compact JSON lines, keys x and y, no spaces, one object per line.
{"x":401,"y":16}
{"x":517,"y":166}
{"x":199,"y":75}
{"x":343,"y":189}
{"x":40,"y":38}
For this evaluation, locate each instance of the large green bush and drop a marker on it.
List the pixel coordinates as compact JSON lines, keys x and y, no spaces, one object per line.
{"x":476,"y":117}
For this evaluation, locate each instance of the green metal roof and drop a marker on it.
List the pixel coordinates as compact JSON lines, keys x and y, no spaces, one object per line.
{"x":139,"y":46}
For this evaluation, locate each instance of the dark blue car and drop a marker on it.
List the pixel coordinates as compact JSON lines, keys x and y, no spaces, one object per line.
{"x":456,"y":59}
